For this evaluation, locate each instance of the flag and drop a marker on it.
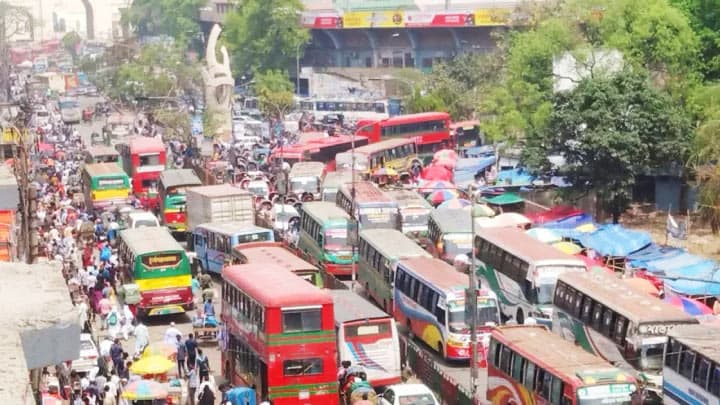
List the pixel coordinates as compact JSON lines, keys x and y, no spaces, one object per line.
{"x":675,"y":230}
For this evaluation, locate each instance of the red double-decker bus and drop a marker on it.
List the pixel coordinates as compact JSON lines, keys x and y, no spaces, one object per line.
{"x":280,"y":336}
{"x":431,"y":130}
{"x":317,"y":149}
{"x":143,"y":160}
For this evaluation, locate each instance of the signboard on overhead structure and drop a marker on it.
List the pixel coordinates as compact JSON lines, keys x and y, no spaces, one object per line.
{"x":373,"y":5}
{"x":322,"y":21}
{"x":370,"y":19}
{"x":419,"y":19}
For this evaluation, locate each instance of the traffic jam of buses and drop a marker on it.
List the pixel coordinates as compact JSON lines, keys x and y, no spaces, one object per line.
{"x":397,"y":260}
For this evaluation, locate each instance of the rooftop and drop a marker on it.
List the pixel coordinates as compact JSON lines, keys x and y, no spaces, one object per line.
{"x":43,"y":326}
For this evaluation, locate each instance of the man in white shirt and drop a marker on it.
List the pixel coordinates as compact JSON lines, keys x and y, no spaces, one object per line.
{"x":171,"y":334}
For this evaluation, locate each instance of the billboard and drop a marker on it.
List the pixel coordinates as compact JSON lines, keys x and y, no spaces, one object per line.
{"x":416,"y":19}
{"x":373,"y":19}
{"x":322,"y":21}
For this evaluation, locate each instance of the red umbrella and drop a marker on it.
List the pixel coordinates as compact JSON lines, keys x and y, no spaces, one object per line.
{"x":446,"y":162}
{"x":434,"y":172}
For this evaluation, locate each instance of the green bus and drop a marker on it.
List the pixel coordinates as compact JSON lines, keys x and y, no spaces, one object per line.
{"x":379,"y":251}
{"x":105,"y":185}
{"x":449,"y":234}
{"x":323,"y":238}
{"x":156,"y":263}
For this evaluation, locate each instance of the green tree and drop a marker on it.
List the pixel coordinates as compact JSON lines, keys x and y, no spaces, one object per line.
{"x":706,"y":153}
{"x":275,"y":93}
{"x":655,"y":37}
{"x":704,"y":17}
{"x":264,"y":35}
{"x":176,"y":123}
{"x":175,"y":18}
{"x":158,"y":71}
{"x":612,"y":129}
{"x":70,"y":42}
{"x":420,"y":101}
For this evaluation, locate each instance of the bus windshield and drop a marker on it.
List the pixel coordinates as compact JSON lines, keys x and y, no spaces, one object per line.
{"x":614,"y":394}
{"x":336,"y":239}
{"x":457,"y":243}
{"x":254,"y":237}
{"x":379,"y":329}
{"x":150,"y":159}
{"x":304,"y":184}
{"x":487,"y":312}
{"x":67,"y":104}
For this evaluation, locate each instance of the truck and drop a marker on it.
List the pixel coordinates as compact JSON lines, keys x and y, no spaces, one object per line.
{"x":218,"y":203}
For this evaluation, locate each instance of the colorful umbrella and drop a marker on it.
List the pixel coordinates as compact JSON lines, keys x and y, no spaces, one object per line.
{"x":385,"y":171}
{"x":446,"y":163}
{"x":152,"y":365}
{"x":440,"y":196}
{"x":481,"y":211}
{"x":436,"y":185}
{"x":437,"y":173}
{"x":160,"y":349}
{"x":544,"y":235}
{"x":455,"y":203}
{"x":689,"y":305}
{"x":144,"y":390}
{"x":445,"y":154}
{"x":567,"y":247}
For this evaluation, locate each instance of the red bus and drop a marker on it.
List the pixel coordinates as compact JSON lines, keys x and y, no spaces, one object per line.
{"x":317,"y":149}
{"x":280,"y":336}
{"x":143,"y":160}
{"x":431,"y":130}
{"x":531,"y":365}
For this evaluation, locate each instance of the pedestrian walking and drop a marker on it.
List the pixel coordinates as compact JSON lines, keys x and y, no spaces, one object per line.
{"x":192,"y":346}
{"x":203,"y":365}
{"x":193,"y":383}
{"x":181,"y":355}
{"x":116,"y":352}
{"x":171,"y":334}
{"x":207,"y":396}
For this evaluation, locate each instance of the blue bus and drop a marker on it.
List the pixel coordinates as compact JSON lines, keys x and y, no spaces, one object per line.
{"x":213,"y":242}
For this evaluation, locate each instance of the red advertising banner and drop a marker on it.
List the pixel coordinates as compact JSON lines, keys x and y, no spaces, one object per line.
{"x":420,"y":19}
{"x":323,"y":21}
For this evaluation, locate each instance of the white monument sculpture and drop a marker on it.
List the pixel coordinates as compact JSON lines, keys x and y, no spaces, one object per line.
{"x":218,"y":87}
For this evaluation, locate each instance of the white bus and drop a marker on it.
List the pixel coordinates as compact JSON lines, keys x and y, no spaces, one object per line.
{"x":351,"y":109}
{"x":522,"y":271}
{"x":624,"y":325}
{"x":70,"y":111}
{"x":691,"y":370}
{"x":366,"y":336}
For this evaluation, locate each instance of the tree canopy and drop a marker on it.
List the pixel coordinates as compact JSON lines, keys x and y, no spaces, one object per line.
{"x":275,"y":93}
{"x":157,"y":71}
{"x":612,"y":129}
{"x":264,"y":35}
{"x":177,"y":19}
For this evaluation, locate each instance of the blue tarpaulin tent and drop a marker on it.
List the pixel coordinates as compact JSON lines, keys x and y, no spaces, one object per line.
{"x":672,"y":263}
{"x":570,"y":222}
{"x":651,"y":253}
{"x":514,"y":177}
{"x":608,"y":240}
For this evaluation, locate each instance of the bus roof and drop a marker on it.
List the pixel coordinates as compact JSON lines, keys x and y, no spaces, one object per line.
{"x":336,"y":179}
{"x":102,"y":150}
{"x":366,"y":191}
{"x":409,"y":118}
{"x":230,"y":228}
{"x":349,"y":307}
{"x":700,"y":338}
{"x":104,"y":169}
{"x":392,"y":243}
{"x":324,"y":211}
{"x":408,"y":199}
{"x":273,"y":253}
{"x":452,"y":220}
{"x":179,"y":177}
{"x":288,"y":290}
{"x":382,"y":145}
{"x":437,"y":272}
{"x":302,"y":169}
{"x":149,"y":240}
{"x":144,"y":144}
{"x":552,"y":352}
{"x":522,"y":245}
{"x":634,"y":304}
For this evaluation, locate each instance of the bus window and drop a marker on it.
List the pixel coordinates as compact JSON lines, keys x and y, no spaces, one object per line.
{"x":304,"y":320}
{"x":687,"y":357}
{"x":298,"y":367}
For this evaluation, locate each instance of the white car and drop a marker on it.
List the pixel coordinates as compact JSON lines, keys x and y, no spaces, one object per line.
{"x":88,"y":355}
{"x":408,"y":394}
{"x":137,"y":219}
